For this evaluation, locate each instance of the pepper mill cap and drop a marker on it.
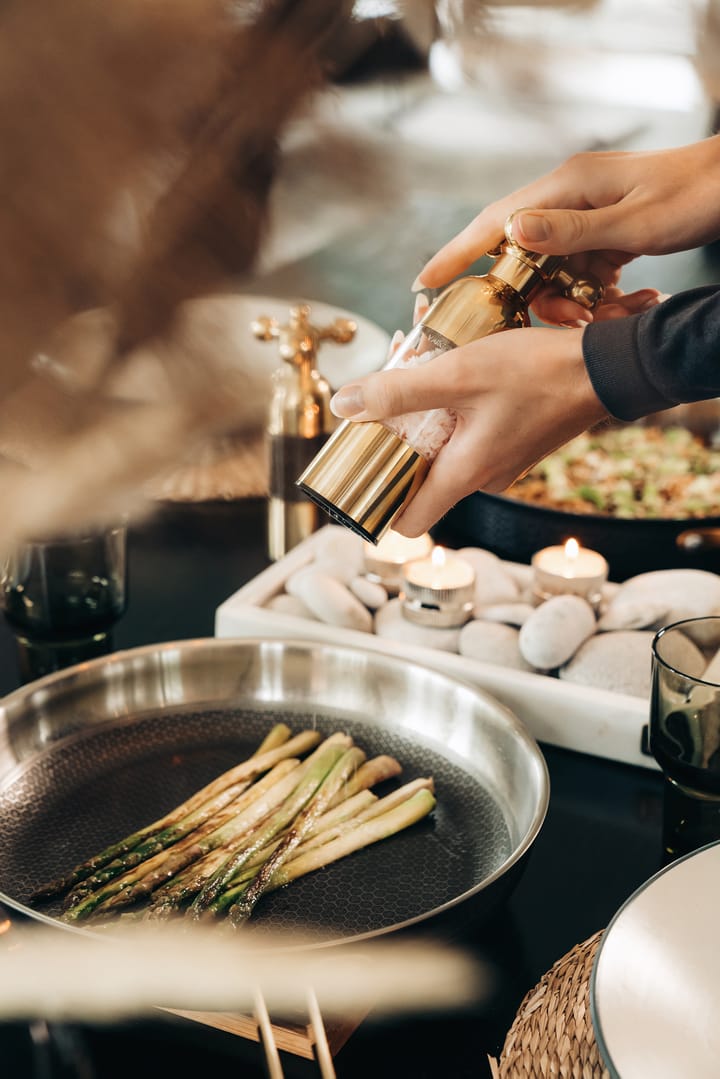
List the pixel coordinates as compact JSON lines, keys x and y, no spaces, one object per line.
{"x":529,"y":270}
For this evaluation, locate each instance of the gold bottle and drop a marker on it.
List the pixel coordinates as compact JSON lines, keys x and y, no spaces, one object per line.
{"x":367,"y":472}
{"x":299,"y":421}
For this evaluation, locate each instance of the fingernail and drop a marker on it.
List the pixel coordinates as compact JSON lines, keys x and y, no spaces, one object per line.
{"x":664,"y":296}
{"x":421,"y":305}
{"x":417,"y":284}
{"x":534,"y":227}
{"x":576,"y":324}
{"x":395,"y":341}
{"x":347,"y":402}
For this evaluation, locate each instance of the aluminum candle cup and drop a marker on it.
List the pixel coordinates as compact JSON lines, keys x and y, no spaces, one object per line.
{"x":385,"y":562}
{"x":439,"y":590}
{"x":685,"y":734}
{"x":569,"y":570}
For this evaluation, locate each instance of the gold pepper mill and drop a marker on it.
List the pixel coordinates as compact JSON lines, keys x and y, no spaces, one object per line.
{"x":299,"y":420}
{"x":366,"y":473}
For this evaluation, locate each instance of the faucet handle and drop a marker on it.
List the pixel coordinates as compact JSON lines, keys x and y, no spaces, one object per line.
{"x":299,"y":339}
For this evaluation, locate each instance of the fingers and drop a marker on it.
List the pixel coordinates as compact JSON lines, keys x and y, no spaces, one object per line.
{"x":393,"y":393}
{"x":555,"y":310}
{"x":620,"y":304}
{"x":487,"y":230}
{"x":567,"y":232}
{"x":421,"y":306}
{"x":446,"y":483}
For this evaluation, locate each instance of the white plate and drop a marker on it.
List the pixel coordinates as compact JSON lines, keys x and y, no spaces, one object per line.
{"x":216,"y":332}
{"x":655,"y":987}
{"x":233,"y":314}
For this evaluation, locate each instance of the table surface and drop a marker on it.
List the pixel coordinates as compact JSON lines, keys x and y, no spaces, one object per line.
{"x":600,"y":841}
{"x":601,"y":838}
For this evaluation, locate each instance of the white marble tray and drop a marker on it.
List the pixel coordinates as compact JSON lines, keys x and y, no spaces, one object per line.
{"x":580,"y":718}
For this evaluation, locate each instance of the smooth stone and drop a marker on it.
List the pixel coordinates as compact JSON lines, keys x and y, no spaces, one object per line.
{"x":619,"y":662}
{"x":512,"y":614}
{"x":492,"y":642}
{"x":370,"y":593}
{"x":686,"y":593}
{"x":285,"y":604}
{"x":683,"y":654}
{"x":632,"y":614}
{"x":521,"y":575}
{"x":482,"y":561}
{"x":622,"y":661}
{"x":492,"y":583}
{"x":498,"y":588}
{"x":328,"y":599}
{"x":340,"y":553}
{"x":555,"y":630}
{"x":391,"y":623}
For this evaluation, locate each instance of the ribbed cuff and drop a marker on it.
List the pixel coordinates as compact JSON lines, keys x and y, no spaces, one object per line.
{"x":612,"y":359}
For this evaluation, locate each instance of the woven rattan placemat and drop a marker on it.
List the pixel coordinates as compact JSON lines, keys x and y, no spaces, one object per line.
{"x":552,"y":1033}
{"x":222,"y":470}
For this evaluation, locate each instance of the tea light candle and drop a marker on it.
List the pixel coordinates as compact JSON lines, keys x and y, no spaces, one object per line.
{"x":439,"y":590}
{"x":385,"y":560}
{"x":571,"y":569}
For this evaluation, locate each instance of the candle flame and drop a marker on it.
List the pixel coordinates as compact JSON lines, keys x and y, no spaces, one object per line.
{"x":572,"y":550}
{"x":438,"y":557}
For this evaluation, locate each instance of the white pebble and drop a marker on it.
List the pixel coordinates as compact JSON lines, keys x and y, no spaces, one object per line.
{"x":285,"y":604}
{"x":370,"y":593}
{"x":340,"y":553}
{"x":492,"y":642}
{"x":555,"y":630}
{"x":683,"y":654}
{"x":609,"y":590}
{"x":329,"y":600}
{"x":687,"y":593}
{"x":521,"y":575}
{"x":492,"y":583}
{"x":482,"y":561}
{"x":512,"y":614}
{"x":633,"y":614}
{"x":622,"y":661}
{"x":391,"y":623}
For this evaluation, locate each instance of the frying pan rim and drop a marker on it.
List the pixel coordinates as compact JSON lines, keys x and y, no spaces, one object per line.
{"x":521,"y":849}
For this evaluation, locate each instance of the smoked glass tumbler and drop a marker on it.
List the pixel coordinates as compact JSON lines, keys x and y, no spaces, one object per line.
{"x":62,"y":596}
{"x":685,"y":731}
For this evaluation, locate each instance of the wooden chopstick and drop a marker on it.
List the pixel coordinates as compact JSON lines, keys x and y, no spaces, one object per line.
{"x":323,"y":1055}
{"x":273,"y":1064}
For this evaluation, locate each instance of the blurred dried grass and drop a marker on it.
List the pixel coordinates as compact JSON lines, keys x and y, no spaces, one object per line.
{"x":139,"y":146}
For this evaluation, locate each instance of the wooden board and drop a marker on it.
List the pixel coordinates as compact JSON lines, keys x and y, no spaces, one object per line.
{"x":295,"y":1037}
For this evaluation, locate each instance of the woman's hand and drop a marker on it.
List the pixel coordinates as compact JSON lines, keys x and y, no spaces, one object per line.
{"x":604,"y":209}
{"x":518,"y":395}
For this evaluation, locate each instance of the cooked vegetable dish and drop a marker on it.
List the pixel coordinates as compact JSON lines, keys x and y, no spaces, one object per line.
{"x":638,"y":472}
{"x":296,"y":805}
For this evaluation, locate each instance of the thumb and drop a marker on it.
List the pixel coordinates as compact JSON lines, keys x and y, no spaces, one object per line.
{"x":392,"y":393}
{"x":566,"y":232}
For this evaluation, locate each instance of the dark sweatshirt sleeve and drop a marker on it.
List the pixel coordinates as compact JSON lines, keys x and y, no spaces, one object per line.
{"x":661,"y":358}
